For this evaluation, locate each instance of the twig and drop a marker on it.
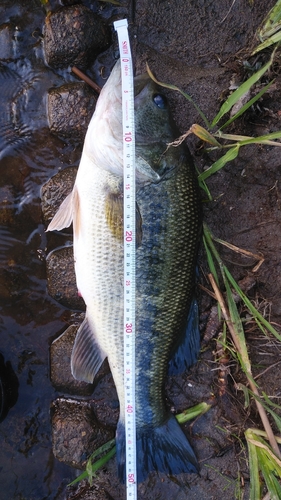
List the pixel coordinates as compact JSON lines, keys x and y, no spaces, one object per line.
{"x":254,"y":389}
{"x":266,"y":370}
{"x":86,"y":79}
{"x":258,"y":257}
{"x":228,"y":12}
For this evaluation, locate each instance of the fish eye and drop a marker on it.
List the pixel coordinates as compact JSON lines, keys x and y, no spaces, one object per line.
{"x":160,"y":101}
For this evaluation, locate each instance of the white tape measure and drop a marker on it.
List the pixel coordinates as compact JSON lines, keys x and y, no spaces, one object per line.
{"x":129,"y":218}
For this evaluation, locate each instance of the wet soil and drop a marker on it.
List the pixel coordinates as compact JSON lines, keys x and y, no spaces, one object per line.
{"x":199,"y":46}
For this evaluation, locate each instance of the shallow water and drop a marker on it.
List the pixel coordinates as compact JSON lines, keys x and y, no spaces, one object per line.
{"x":29,"y":318}
{"x":29,"y":321}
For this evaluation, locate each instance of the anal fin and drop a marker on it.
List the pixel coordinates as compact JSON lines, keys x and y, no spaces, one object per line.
{"x":87,"y":356}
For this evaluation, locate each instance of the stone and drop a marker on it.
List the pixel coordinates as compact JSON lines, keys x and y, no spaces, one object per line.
{"x":105,"y":401}
{"x":70,"y":108}
{"x":7,"y":206}
{"x":75,"y":432}
{"x":61,"y":281}
{"x":74,"y":36}
{"x":6,"y":41}
{"x":60,"y":355}
{"x":55,"y":190}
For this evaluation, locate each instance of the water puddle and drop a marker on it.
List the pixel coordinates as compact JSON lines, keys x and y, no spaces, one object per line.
{"x":29,"y":318}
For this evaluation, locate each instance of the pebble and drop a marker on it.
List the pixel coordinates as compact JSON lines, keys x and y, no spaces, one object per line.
{"x":55,"y":191}
{"x":60,"y":355}
{"x":73,"y":36}
{"x":70,"y":108}
{"x":61,"y":281}
{"x":75,"y":432}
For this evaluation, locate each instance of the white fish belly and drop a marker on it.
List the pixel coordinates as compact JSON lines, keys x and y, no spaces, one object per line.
{"x":98,"y":257}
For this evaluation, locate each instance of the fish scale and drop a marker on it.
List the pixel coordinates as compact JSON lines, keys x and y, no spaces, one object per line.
{"x":172,"y":272}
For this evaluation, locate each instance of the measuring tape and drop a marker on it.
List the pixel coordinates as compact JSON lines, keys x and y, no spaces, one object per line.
{"x":129,"y":218}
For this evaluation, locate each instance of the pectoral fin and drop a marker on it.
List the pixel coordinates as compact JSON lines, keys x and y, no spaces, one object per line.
{"x":145,"y":171}
{"x":64,"y":215}
{"x":114,"y":216}
{"x":87,"y":356}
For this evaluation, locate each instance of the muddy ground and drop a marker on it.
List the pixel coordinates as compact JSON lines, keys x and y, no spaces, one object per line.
{"x":199,"y":46}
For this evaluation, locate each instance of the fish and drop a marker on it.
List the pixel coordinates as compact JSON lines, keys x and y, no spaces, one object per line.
{"x":168,"y":232}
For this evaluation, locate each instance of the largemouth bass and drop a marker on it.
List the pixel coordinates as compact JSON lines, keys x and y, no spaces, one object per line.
{"x":168,"y":220}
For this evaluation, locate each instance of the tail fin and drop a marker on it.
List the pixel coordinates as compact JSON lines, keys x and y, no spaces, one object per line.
{"x":163,"y":449}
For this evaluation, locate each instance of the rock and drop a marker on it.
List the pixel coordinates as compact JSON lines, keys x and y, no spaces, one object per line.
{"x":9,"y":385}
{"x":55,"y":191}
{"x":70,"y":108}
{"x":61,"y":376}
{"x":75,"y":432}
{"x":61,"y":279}
{"x":86,"y":492}
{"x":73,"y":35}
{"x":105,"y":401}
{"x":7,"y":206}
{"x":6,"y":41}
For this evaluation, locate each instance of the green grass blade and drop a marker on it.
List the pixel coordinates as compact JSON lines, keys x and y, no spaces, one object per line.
{"x":236,"y":320}
{"x":255,"y":488}
{"x":246,"y":395}
{"x":238,"y":93}
{"x":193,"y":412}
{"x":268,"y":469}
{"x":103,"y":448}
{"x":271,"y":22}
{"x":251,"y":308}
{"x":244,"y":140}
{"x":270,"y":41}
{"x":263,"y":139}
{"x":205,"y":188}
{"x":97,"y":465}
{"x":220,"y":163}
{"x":210,"y":251}
{"x":267,"y":406}
{"x":210,"y":260}
{"x":232,"y":137}
{"x":276,"y":417}
{"x":268,"y":462}
{"x":247,"y":105}
{"x":269,"y":402}
{"x":102,"y":461}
